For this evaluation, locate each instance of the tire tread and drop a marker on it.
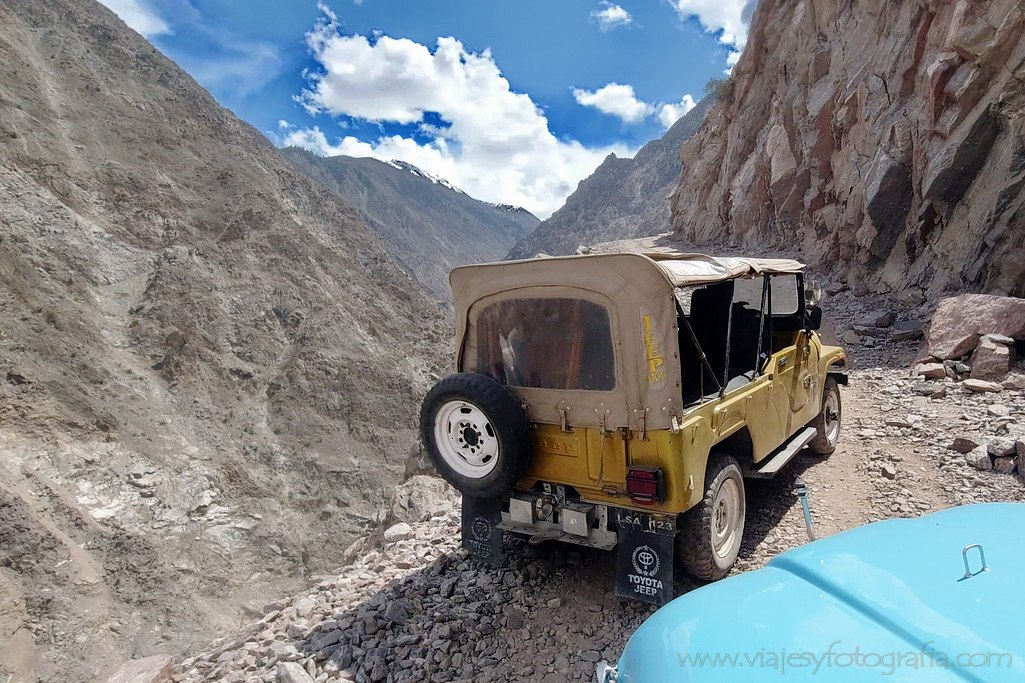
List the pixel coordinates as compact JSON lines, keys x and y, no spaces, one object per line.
{"x":694,"y":541}
{"x":820,"y":443}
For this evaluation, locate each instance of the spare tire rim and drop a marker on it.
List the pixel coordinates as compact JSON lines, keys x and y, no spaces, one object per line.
{"x":465,"y":438}
{"x":832,"y":415}
{"x":727,"y":513}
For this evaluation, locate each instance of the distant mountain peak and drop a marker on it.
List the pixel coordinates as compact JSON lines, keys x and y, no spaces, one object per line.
{"x":417,"y":171}
{"x":428,"y":225}
{"x":623,"y":198}
{"x":511,"y":208}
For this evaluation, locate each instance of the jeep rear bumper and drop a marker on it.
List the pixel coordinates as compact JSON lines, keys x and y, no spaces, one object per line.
{"x":644,"y":542}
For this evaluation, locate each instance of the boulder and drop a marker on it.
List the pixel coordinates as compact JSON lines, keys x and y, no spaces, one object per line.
{"x":1014,"y":383}
{"x":418,"y":498}
{"x":979,"y":458}
{"x":398,"y":532}
{"x":908,"y":330}
{"x":156,"y":669}
{"x":1004,"y":465}
{"x":931,"y":370}
{"x":291,"y":672}
{"x":991,"y":360}
{"x":965,"y":444}
{"x":1001,"y":447}
{"x":876,"y":319}
{"x":960,"y":322}
{"x":982,"y":386}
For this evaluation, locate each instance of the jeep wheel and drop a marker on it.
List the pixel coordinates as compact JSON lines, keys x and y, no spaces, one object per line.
{"x":711,"y":532}
{"x":476,"y":433}
{"x":827,"y":422}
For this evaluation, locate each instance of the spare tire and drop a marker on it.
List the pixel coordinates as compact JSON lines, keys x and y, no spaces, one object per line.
{"x":476,"y":433}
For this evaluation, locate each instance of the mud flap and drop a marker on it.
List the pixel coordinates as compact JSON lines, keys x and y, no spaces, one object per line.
{"x":644,"y":560}
{"x":481,"y":535}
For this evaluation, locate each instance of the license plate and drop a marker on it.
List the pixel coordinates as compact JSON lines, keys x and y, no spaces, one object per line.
{"x":663,"y":525}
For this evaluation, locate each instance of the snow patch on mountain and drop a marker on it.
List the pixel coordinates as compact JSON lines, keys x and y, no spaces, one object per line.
{"x":405,"y":166}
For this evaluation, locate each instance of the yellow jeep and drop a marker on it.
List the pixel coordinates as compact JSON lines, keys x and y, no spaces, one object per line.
{"x":620,"y":400}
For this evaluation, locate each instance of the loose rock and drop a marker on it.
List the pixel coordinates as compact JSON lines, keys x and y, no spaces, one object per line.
{"x":991,"y":360}
{"x":290,"y":672}
{"x":1004,"y":465}
{"x":398,"y":532}
{"x":908,"y":330}
{"x":979,"y":459}
{"x":965,"y":444}
{"x":877,"y":319}
{"x":931,"y":370}
{"x":982,"y":386}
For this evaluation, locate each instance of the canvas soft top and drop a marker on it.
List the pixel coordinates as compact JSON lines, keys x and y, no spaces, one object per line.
{"x":679,"y":269}
{"x":638,"y":290}
{"x":685,"y":270}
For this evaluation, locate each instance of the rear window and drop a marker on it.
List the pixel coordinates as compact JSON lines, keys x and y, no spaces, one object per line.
{"x":547,"y":344}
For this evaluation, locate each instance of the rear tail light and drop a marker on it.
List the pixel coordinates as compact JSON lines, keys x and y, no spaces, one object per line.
{"x":645,"y":484}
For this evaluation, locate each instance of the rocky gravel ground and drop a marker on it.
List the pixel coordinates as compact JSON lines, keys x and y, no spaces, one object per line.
{"x":413,"y":607}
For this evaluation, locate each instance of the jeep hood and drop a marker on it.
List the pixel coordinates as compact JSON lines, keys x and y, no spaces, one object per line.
{"x":887,"y":601}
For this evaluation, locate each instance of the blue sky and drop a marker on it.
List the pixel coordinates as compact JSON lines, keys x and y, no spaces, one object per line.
{"x":515,"y":101}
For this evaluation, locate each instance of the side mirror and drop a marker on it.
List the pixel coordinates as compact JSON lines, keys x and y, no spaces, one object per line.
{"x":813,"y":318}
{"x":812,"y":293}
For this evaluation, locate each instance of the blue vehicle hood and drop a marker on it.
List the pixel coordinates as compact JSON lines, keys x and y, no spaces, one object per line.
{"x":887,"y":601}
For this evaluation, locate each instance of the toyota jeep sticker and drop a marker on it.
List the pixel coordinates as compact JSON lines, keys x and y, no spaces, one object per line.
{"x":645,"y":563}
{"x":481,"y":535}
{"x":644,"y":567}
{"x":480,"y":541}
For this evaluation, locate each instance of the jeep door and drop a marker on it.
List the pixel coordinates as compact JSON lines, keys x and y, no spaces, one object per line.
{"x":799,"y":374}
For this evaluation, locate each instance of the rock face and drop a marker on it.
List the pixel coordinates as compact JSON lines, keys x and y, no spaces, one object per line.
{"x":425,"y":224}
{"x":883,"y":138}
{"x":208,"y":364}
{"x":622,"y":199}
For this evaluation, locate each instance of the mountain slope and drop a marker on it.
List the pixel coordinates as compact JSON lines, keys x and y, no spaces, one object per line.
{"x":884,"y":139}
{"x":426,"y":224}
{"x":623,"y":198}
{"x":209,"y":366}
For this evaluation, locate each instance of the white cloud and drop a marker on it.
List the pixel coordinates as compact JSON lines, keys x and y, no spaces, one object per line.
{"x":619,"y":100}
{"x":616,"y":100}
{"x":732,"y":17}
{"x":669,"y":114}
{"x":494,"y":143}
{"x":138,"y":16}
{"x":610,"y":16}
